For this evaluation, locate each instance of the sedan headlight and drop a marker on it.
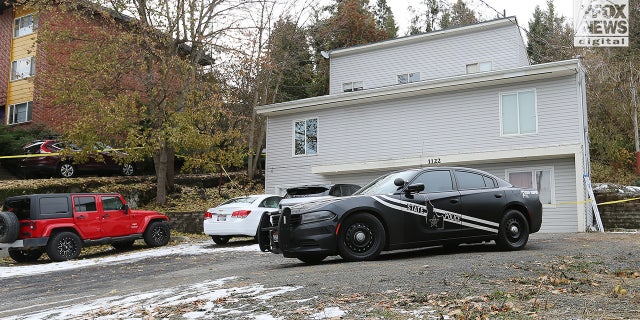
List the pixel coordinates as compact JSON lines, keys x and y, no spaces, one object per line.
{"x":317,"y":216}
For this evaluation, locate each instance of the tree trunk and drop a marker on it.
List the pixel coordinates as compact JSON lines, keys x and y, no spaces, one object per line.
{"x":160,"y":163}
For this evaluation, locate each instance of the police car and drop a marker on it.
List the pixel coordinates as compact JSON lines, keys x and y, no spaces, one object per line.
{"x":407,"y":209}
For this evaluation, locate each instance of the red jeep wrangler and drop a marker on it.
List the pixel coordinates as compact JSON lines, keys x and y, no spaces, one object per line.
{"x":61,"y":224}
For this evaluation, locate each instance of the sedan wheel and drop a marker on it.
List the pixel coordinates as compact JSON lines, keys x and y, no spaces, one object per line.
{"x":67,"y":170}
{"x":128,"y":169}
{"x":362,"y":237}
{"x":514,"y":231}
{"x":220,"y":240}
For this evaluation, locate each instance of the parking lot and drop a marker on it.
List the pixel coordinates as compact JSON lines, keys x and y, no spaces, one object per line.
{"x":585,"y":275}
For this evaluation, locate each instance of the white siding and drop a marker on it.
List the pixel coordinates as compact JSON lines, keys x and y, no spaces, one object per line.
{"x":435,"y":58}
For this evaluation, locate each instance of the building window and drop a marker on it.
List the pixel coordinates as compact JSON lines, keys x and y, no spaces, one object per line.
{"x":352,"y":86}
{"x":479,"y":67}
{"x":19,"y":113}
{"x":23,"y":68}
{"x":538,"y":179}
{"x":408,"y":77}
{"x":518,"y":112}
{"x":24,"y":25}
{"x":305,"y":139}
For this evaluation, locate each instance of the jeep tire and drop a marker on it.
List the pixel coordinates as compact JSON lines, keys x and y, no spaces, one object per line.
{"x":157,"y":234}
{"x":25,"y":255}
{"x":9,"y":227}
{"x":64,"y":246}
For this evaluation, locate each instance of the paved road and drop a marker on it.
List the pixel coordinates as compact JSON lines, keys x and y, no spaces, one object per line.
{"x":558,"y":275}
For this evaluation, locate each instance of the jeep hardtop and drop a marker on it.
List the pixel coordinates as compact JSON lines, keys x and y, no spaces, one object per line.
{"x":60,"y":224}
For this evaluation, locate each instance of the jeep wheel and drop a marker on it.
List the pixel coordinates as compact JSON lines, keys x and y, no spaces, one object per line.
{"x":67,"y":170}
{"x":123,"y":245}
{"x":220,"y":240}
{"x":25,"y":255}
{"x":128,"y":169}
{"x":157,"y":234}
{"x":9,"y":227}
{"x":64,"y":246}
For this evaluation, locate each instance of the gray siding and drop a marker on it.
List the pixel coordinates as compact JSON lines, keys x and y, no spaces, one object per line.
{"x":426,"y":126}
{"x":441,"y":57}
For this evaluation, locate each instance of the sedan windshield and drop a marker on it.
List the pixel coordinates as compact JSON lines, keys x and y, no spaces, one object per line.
{"x":384,"y":184}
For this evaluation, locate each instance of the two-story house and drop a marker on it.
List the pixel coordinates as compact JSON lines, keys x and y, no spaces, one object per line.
{"x":465,"y":96}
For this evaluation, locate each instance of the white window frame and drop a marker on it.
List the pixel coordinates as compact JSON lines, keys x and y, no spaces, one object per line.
{"x":484,"y":66}
{"x":410,"y":76}
{"x":295,"y":122}
{"x":21,"y":26}
{"x":532,"y":171}
{"x":535,"y":110}
{"x":23,"y":68}
{"x":352,"y":86}
{"x":13,"y":113}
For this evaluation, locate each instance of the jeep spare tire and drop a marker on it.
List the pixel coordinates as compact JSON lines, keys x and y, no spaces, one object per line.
{"x":9,"y":227}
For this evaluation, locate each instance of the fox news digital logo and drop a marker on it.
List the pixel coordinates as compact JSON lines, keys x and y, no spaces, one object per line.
{"x":601,"y":23}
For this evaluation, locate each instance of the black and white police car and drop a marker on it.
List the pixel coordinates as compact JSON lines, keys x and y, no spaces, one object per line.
{"x":407,"y":209}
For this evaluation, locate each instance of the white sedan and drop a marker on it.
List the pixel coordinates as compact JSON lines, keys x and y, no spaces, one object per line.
{"x":238,"y":216}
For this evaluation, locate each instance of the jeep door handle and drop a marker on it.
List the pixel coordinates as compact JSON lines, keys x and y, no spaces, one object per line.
{"x":106,"y":215}
{"x":82,"y":217}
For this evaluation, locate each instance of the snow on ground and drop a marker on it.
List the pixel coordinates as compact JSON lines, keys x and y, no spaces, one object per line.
{"x":182,"y":249}
{"x":206,"y":300}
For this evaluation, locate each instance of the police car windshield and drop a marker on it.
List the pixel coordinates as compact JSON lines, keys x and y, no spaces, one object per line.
{"x":384,"y":184}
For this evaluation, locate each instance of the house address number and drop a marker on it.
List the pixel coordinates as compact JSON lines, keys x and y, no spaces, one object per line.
{"x":434,"y":161}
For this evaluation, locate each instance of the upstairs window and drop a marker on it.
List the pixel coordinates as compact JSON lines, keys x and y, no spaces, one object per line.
{"x":305,"y":137}
{"x":24,"y":25}
{"x":518,"y":112}
{"x":23,"y":68}
{"x":352,"y":86}
{"x":405,"y":78}
{"x":19,"y":113}
{"x":479,"y":67}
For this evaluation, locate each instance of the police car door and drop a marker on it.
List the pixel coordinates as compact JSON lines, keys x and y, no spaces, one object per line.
{"x":434,"y":210}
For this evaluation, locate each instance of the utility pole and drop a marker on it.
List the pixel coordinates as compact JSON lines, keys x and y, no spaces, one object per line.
{"x":635,"y":118}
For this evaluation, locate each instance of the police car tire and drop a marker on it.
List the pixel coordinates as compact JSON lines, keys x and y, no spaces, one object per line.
{"x":372,"y":234}
{"x":514,"y":231}
{"x":9,"y":227}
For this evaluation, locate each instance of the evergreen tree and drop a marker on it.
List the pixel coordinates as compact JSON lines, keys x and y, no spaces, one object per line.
{"x":384,"y":18}
{"x":549,"y":37}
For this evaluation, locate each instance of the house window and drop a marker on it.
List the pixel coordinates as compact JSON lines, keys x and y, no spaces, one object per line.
{"x":538,"y":179}
{"x":19,"y":113}
{"x":24,"y":25}
{"x":479,"y":67}
{"x":23,"y":68}
{"x":518,"y":112}
{"x":353,"y":86}
{"x":305,"y":139}
{"x":408,"y":77}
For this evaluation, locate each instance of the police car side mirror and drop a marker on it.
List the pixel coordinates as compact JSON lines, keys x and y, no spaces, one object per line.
{"x":416,"y":187}
{"x":399,"y":182}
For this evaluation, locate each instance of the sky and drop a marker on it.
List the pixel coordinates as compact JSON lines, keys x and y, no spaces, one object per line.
{"x":522,"y":9}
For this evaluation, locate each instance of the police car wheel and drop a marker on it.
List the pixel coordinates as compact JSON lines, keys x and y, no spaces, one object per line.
{"x":362,"y":237}
{"x":514,"y":231}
